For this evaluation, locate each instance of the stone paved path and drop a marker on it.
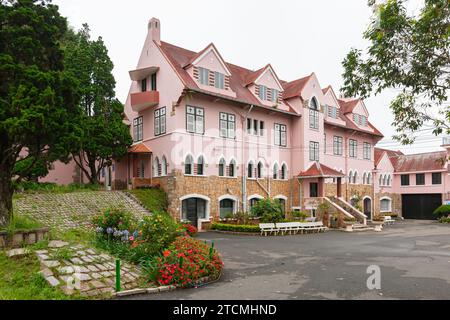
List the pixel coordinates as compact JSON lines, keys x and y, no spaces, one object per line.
{"x":73,"y":210}
{"x":79,"y":268}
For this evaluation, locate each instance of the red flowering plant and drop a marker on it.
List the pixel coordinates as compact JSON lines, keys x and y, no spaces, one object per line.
{"x":190,"y":229}
{"x":184,"y":262}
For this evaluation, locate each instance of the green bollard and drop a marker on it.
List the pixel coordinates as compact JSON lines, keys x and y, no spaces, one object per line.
{"x":118,"y":275}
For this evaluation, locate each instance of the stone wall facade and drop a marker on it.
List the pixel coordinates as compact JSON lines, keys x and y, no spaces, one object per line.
{"x":396,"y":202}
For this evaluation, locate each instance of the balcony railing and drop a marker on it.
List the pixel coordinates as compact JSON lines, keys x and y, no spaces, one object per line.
{"x":143,"y":100}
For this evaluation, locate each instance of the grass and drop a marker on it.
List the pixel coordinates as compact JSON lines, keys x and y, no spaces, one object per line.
{"x":20,"y":280}
{"x":22,"y":222}
{"x":154,"y":200}
{"x":34,"y":187}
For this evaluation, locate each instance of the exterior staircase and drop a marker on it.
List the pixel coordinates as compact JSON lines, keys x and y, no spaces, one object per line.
{"x":349,"y":210}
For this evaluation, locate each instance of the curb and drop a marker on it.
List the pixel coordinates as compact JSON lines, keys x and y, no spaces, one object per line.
{"x":155,"y":290}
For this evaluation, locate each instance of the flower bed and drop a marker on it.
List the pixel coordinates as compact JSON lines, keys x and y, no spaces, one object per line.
{"x":184,"y":262}
{"x":235,"y":228}
{"x":164,"y":249}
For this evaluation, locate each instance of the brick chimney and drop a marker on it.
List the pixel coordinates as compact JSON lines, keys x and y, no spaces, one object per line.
{"x":154,"y":28}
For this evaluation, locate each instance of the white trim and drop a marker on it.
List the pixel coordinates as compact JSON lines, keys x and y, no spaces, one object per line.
{"x":269,"y":67}
{"x":230,"y":197}
{"x":212,"y":48}
{"x":220,"y":158}
{"x":255,"y":196}
{"x":318,"y":103}
{"x":207,"y":208}
{"x":280,"y":196}
{"x":390,"y":204}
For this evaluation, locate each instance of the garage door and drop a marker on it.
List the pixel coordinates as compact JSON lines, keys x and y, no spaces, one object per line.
{"x":420,"y":206}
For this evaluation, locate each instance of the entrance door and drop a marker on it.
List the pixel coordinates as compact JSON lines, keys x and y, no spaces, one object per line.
{"x":313,"y":190}
{"x":194,"y":209}
{"x":368,"y":208}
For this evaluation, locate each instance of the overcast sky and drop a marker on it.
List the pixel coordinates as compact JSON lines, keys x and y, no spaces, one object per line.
{"x":296,"y":37}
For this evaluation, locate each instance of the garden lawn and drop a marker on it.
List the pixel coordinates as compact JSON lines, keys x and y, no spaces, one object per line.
{"x":20,"y":280}
{"x":154,"y":200}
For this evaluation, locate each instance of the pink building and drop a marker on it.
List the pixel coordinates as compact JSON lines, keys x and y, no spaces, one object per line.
{"x":218,"y":137}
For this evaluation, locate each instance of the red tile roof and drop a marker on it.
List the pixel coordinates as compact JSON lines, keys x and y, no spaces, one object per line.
{"x":421,"y":162}
{"x":139,"y":148}
{"x":347,"y":106}
{"x":392,"y":155}
{"x":320,"y":170}
{"x":240,"y":77}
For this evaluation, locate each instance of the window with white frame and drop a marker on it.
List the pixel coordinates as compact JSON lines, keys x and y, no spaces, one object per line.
{"x":164,"y":166}
{"x":275,"y":171}
{"x":188,"y":165}
{"x":156,"y":167}
{"x":255,"y":127}
{"x":203,"y":76}
{"x":262,"y":92}
{"x":195,"y":120}
{"x":250,"y":169}
{"x":332,"y":112}
{"x":227,"y":125}
{"x":232,"y":168}
{"x":337,"y":145}
{"x":219,"y":80}
{"x":283,"y":172}
{"x":314,"y":114}
{"x":313,"y":151}
{"x":353,"y":148}
{"x":259,"y":171}
{"x":364,"y":178}
{"x":222,"y":166}
{"x":355,"y":177}
{"x":201,"y":166}
{"x":367,"y":151}
{"x":275,"y":94}
{"x":350,"y":176}
{"x":138,"y":129}
{"x":160,"y":121}
{"x":369,"y":178}
{"x":385,"y":205}
{"x":280,"y":135}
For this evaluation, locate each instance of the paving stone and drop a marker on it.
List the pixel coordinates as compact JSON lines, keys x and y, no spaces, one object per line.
{"x":96,"y":275}
{"x":106,"y":274}
{"x":107,"y":290}
{"x":50,"y":263}
{"x":18,"y":252}
{"x":90,"y":251}
{"x":46,"y":272}
{"x":109,"y":282}
{"x":101,"y":267}
{"x":97,"y":284}
{"x":93,"y":268}
{"x":81,"y":253}
{"x":87,"y":259}
{"x":81,"y":269}
{"x":53,"y":281}
{"x":76,"y":261}
{"x":82,"y":276}
{"x":57,"y":244}
{"x":66,"y":270}
{"x":41,"y":251}
{"x":43,"y":257}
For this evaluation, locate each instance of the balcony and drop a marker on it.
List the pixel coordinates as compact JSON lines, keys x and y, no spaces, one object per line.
{"x":142,"y":100}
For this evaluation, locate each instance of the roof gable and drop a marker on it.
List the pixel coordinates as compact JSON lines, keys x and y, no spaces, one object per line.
{"x":212,"y":52}
{"x":295,"y":88}
{"x":258,"y":76}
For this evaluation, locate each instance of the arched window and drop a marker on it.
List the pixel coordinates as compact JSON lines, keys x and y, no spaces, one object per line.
{"x":283,"y":172}
{"x":260,"y":170}
{"x":250,"y":169}
{"x":232,"y":168}
{"x":226,"y":208}
{"x":369,"y":178}
{"x":350,"y":176}
{"x":364,"y":178}
{"x":385,"y":180}
{"x":314,"y":114}
{"x":164,"y":166}
{"x":385,"y":204}
{"x":355,"y":177}
{"x":201,"y":166}
{"x":275,"y":171}
{"x":188,"y":165}
{"x":222,"y":166}
{"x":388,"y":182}
{"x":380,"y":182}
{"x":156,"y":167}
{"x":253,"y":202}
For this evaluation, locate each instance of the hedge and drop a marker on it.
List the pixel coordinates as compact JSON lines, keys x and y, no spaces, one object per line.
{"x":442,"y":211}
{"x":235,"y":228}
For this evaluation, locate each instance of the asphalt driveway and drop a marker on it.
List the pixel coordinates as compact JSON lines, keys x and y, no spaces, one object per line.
{"x":413,"y":256}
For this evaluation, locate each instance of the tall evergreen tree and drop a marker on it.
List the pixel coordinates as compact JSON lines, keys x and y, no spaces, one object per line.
{"x":37,"y":98}
{"x":104,"y":135}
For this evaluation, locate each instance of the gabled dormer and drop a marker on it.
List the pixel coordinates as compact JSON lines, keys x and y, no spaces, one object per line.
{"x":356,"y":111}
{"x":210,"y":71}
{"x":266,"y":86}
{"x":332,"y":109}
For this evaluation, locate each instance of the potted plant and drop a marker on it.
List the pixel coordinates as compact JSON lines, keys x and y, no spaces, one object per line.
{"x":349,"y":222}
{"x":378,"y":222}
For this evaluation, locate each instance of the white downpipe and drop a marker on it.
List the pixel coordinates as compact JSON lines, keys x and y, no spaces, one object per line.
{"x":244,"y":167}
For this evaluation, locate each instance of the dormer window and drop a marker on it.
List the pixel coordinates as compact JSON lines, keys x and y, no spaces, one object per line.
{"x":219,"y":80}
{"x":360,"y":120}
{"x":332,"y":112}
{"x":263,"y":92}
{"x":203,"y":76}
{"x":275,"y":94}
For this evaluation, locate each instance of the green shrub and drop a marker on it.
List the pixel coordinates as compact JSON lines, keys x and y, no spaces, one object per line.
{"x":302,"y":215}
{"x":442,"y":211}
{"x":114,"y":218}
{"x":235,"y":228}
{"x":160,"y":229}
{"x":47,"y":187}
{"x":445,"y":220}
{"x":269,"y":210}
{"x":22,"y":222}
